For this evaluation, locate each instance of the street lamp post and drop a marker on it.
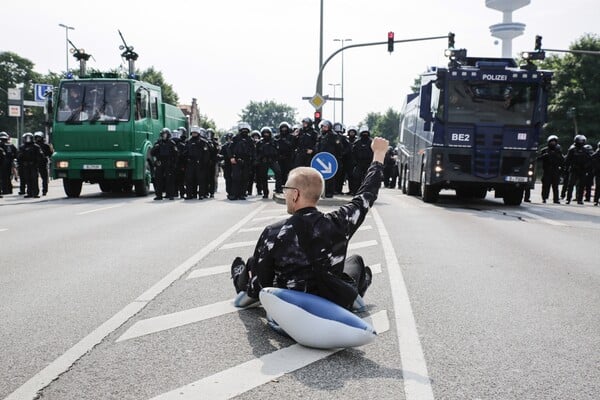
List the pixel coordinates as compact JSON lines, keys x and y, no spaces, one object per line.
{"x":67,"y":28}
{"x":334,"y":86}
{"x":342,"y":40}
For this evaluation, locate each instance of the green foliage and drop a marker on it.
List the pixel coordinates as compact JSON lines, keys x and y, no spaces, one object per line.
{"x":416,"y":86}
{"x":207,"y":123}
{"x":155,"y":77}
{"x":575,"y":85}
{"x":385,"y":125}
{"x":267,"y":113}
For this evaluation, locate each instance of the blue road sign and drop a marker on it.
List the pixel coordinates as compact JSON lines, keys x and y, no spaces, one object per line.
{"x":40,"y":90}
{"x":325,"y":163}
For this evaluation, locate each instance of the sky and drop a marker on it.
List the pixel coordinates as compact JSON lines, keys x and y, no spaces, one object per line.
{"x":227,"y":53}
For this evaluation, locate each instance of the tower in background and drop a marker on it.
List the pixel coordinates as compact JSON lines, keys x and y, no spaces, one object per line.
{"x":507,"y":30}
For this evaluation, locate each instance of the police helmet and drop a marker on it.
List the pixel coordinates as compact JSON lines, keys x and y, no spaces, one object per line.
{"x":266,"y":129}
{"x":255,"y":134}
{"x":27,"y":137}
{"x":195,"y":129}
{"x":165,"y":132}
{"x":203,"y":133}
{"x":307,"y":121}
{"x":588,"y":148}
{"x":580,"y":140}
{"x":339,"y":127}
{"x":182,"y":130}
{"x":211,"y":133}
{"x":38,"y":134}
{"x":364,"y":129}
{"x":551,"y":138}
{"x":228,"y":136}
{"x":296,"y":126}
{"x":326,"y":123}
{"x":4,"y":136}
{"x":352,"y":129}
{"x":244,"y":126}
{"x":284,"y":125}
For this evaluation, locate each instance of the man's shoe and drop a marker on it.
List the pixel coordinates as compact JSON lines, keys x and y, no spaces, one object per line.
{"x":580,"y":202}
{"x":568,"y":202}
{"x":44,"y":193}
{"x":239,"y":274}
{"x":556,"y":202}
{"x":171,"y":198}
{"x":231,"y":198}
{"x":596,"y":203}
{"x":544,"y":201}
{"x":36,"y":197}
{"x":27,"y":196}
{"x":527,"y":201}
{"x":158,"y":198}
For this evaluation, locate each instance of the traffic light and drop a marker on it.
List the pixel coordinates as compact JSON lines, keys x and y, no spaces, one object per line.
{"x":317,"y":118}
{"x":390,"y":41}
{"x":450,"y":40}
{"x":538,"y":43}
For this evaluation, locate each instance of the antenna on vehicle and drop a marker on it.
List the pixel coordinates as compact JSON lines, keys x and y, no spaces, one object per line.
{"x":81,"y":56}
{"x":129,"y":55}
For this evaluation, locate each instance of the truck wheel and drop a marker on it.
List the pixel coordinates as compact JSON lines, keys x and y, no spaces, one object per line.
{"x":429,"y":193}
{"x":72,"y":187}
{"x":513,"y":197}
{"x":142,"y":186}
{"x":105,"y":186}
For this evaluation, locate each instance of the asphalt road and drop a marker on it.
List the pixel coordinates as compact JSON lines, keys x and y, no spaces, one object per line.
{"x":505,"y":302}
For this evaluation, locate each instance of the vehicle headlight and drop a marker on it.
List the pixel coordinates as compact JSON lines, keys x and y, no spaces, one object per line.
{"x":438,"y":169}
{"x":122,"y":164}
{"x":62,"y":164}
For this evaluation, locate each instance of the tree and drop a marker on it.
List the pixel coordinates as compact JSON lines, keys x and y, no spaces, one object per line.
{"x":388,"y":125}
{"x":267,"y":113}
{"x":575,"y":94}
{"x":372,"y":120}
{"x":207,"y":123}
{"x":416,"y":86}
{"x":155,"y":77}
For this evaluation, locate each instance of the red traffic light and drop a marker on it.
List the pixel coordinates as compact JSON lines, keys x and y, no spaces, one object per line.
{"x":317,"y":115}
{"x":390,"y":41}
{"x":390,"y":35}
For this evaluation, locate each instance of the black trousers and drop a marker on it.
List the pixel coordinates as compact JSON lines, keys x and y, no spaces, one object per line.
{"x":227,"y":176}
{"x":5,"y":179}
{"x":550,"y":181}
{"x":286,"y":165}
{"x":263,"y":177}
{"x":164,"y":180}
{"x":597,"y":190}
{"x":44,"y":176}
{"x":239,"y":179}
{"x":577,"y":180}
{"x":30,"y":177}
{"x":195,"y":179}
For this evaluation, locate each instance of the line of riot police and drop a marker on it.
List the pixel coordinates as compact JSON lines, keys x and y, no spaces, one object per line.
{"x":27,"y":164}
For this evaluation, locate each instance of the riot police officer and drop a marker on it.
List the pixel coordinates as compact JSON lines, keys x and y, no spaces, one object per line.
{"x":596,"y":172}
{"x":165,"y":154}
{"x":253,"y":173}
{"x":362,"y":154}
{"x":305,"y":143}
{"x":212,"y":170}
{"x":267,"y":157}
{"x":589,"y":175}
{"x":30,"y":157}
{"x":181,"y":167}
{"x":286,"y":150}
{"x":330,"y":142}
{"x":349,"y":162}
{"x":197,"y":156}
{"x":226,"y":163}
{"x":6,"y":166}
{"x":577,"y":163}
{"x":47,"y":153}
{"x":389,"y":165}
{"x":241,"y":154}
{"x":552,"y":164}
{"x":340,"y":129}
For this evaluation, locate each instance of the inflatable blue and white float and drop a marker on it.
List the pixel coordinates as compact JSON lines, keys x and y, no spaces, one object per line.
{"x":314,"y":321}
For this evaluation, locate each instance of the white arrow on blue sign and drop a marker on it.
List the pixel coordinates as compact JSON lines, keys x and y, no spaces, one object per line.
{"x":40,"y":90}
{"x":325,"y":163}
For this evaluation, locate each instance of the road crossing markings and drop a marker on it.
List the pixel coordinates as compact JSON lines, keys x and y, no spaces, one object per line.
{"x":365,"y":228}
{"x":3,"y":229}
{"x":541,"y":219}
{"x":375,"y":268}
{"x":199,"y":273}
{"x":100,"y":209}
{"x":417,"y":385}
{"x":30,"y":389}
{"x":177,"y":319}
{"x":360,"y":245}
{"x":258,"y":371}
{"x":235,"y":245}
{"x":282,"y":216}
{"x":255,"y":229}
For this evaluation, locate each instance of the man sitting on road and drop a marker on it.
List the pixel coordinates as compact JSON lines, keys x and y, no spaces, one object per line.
{"x":307,"y":252}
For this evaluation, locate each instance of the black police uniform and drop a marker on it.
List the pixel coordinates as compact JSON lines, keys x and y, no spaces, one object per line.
{"x":30,"y":157}
{"x":43,"y":167}
{"x":363,"y":155}
{"x":389,"y":164}
{"x":293,"y":253}
{"x":242,"y":150}
{"x":180,"y":169}
{"x":305,"y":146}
{"x":552,"y":164}
{"x":212,"y":167}
{"x":331,"y":143}
{"x":223,"y":155}
{"x":349,"y":165}
{"x":2,"y":157}
{"x":577,"y":163}
{"x":166,"y":154}
{"x":286,"y":150}
{"x":10,"y":154}
{"x":267,"y":155}
{"x":596,"y":172}
{"x":197,"y":157}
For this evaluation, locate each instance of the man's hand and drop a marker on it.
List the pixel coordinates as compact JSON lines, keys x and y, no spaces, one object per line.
{"x":380,"y":147}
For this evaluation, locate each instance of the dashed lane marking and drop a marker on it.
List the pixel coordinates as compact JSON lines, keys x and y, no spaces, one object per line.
{"x":417,"y":385}
{"x":3,"y":229}
{"x":365,"y":228}
{"x":360,"y":245}
{"x":258,"y":371}
{"x":100,"y":209}
{"x":541,"y":219}
{"x":30,"y":389}
{"x":235,"y":245}
{"x":199,"y":273}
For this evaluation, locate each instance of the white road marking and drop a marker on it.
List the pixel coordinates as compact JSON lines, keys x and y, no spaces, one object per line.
{"x":177,"y":319}
{"x":99,"y":209}
{"x":375,"y":268}
{"x":542,"y":219}
{"x":417,"y":385}
{"x":281,"y":216}
{"x":3,"y":229}
{"x":199,"y":273}
{"x":30,"y":389}
{"x":361,"y":245}
{"x":255,"y":229}
{"x":270,"y":210}
{"x":235,"y":245}
{"x":365,"y":228}
{"x":258,"y":371}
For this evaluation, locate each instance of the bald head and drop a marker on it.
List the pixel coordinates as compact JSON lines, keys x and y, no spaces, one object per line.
{"x":308,"y":181}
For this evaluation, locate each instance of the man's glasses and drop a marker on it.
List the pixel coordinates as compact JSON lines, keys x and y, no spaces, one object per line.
{"x":289,"y":188}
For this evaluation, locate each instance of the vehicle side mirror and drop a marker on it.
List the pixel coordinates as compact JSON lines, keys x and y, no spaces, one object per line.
{"x":425,"y":104}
